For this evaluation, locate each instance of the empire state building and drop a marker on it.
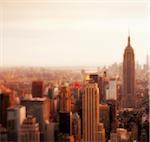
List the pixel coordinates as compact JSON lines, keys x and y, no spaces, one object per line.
{"x":128,"y":76}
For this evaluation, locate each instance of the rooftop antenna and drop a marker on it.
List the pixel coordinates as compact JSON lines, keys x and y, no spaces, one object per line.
{"x":128,"y":37}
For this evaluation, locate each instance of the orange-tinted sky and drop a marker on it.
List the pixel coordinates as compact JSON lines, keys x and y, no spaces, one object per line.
{"x":71,"y":32}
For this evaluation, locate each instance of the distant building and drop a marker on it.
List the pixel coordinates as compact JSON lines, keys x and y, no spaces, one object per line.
{"x":94,"y":77}
{"x":112,"y":90}
{"x":37,"y":89}
{"x":15,"y":118}
{"x":90,"y":112}
{"x":29,"y":131}
{"x":103,"y":85}
{"x":128,"y":76}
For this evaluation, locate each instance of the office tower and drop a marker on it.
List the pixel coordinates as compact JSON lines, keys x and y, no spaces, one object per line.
{"x":103,"y":85}
{"x":105,"y":118}
{"x":112,"y":114}
{"x":15,"y":118}
{"x":6,"y":100}
{"x":3,"y":134}
{"x":29,"y":131}
{"x":94,"y":77}
{"x":50,"y":131}
{"x":101,"y":133}
{"x":65,"y":127}
{"x":90,"y":112}
{"x":101,"y":89}
{"x":50,"y":93}
{"x":65,"y":99}
{"x":38,"y":108}
{"x":112,"y":90}
{"x":37,"y":89}
{"x":76,"y":126}
{"x":119,"y":95}
{"x":75,"y":90}
{"x":65,"y":123}
{"x":129,"y":76}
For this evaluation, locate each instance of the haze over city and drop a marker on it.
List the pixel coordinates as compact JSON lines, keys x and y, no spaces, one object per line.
{"x":71,"y":33}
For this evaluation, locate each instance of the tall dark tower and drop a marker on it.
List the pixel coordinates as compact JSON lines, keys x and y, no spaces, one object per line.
{"x":128,"y":76}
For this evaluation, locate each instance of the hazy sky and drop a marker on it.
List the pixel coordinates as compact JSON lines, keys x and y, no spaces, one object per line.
{"x":71,"y":32}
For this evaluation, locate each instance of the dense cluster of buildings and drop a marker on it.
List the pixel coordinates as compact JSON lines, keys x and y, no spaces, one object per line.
{"x":98,"y":108}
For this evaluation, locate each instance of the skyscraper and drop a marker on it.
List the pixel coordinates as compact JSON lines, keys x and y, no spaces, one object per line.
{"x":37,"y":89}
{"x":128,"y":76}
{"x":15,"y":118}
{"x":90,"y":112}
{"x":38,"y":108}
{"x":65,"y":99}
{"x":29,"y":131}
{"x":7,"y":99}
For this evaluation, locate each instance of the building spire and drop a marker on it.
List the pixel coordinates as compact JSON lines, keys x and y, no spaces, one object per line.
{"x":128,"y":38}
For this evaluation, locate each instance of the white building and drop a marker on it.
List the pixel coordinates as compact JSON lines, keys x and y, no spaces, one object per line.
{"x":111,"y":92}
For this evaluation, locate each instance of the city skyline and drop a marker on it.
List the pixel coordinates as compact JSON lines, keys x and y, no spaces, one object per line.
{"x":71,"y":33}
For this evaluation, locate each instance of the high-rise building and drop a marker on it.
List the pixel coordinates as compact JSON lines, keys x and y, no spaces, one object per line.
{"x":29,"y":131}
{"x":112,"y":114}
{"x":65,"y":123}
{"x":112,"y":90}
{"x":76,"y":126}
{"x":101,"y":133}
{"x":65,"y":127}
{"x":128,"y":76}
{"x":37,"y":89}
{"x":50,"y":132}
{"x":15,"y":118}
{"x":103,"y":84}
{"x":105,"y":117}
{"x":65,"y":99}
{"x":90,"y":112}
{"x":94,"y":77}
{"x":7,"y":99}
{"x":38,"y":108}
